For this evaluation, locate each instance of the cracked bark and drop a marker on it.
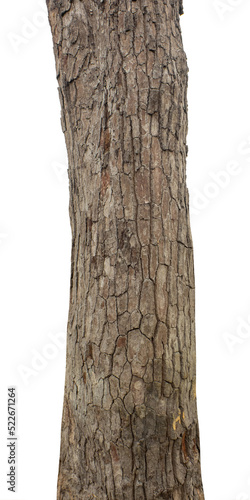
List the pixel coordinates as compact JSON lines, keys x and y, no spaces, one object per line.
{"x":129,"y":426}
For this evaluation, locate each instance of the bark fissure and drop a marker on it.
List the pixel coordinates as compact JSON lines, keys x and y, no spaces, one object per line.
{"x":129,"y":426}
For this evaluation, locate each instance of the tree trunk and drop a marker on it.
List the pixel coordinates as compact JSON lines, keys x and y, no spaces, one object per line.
{"x":129,"y":426}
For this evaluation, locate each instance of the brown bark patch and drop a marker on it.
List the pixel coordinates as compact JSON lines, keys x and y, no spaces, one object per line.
{"x":88,"y":224}
{"x":105,"y":182}
{"x":89,"y":350}
{"x":183,"y":446}
{"x":121,"y":342}
{"x":114,"y":453}
{"x":105,"y":140}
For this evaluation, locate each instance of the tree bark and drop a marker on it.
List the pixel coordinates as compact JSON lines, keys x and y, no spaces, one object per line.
{"x":129,"y":426}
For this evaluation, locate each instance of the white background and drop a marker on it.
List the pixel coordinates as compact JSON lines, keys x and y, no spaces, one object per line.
{"x":35,"y":242}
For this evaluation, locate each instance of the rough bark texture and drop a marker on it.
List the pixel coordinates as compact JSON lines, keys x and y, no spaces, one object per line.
{"x":129,"y":427}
